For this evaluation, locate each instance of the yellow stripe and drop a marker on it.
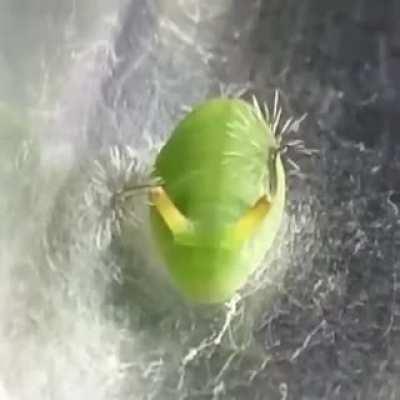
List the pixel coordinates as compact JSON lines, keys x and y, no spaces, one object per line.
{"x":173,"y":218}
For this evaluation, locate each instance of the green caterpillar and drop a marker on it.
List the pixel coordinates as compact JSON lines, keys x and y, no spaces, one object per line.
{"x":221,"y":199}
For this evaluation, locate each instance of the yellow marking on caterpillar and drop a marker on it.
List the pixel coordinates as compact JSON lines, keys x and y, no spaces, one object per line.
{"x":248,"y":224}
{"x":172,"y":217}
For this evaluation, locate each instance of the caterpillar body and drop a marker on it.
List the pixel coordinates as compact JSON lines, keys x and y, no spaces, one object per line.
{"x":221,"y":199}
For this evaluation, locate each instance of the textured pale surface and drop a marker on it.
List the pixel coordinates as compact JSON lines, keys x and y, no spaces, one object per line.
{"x":79,"y":320}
